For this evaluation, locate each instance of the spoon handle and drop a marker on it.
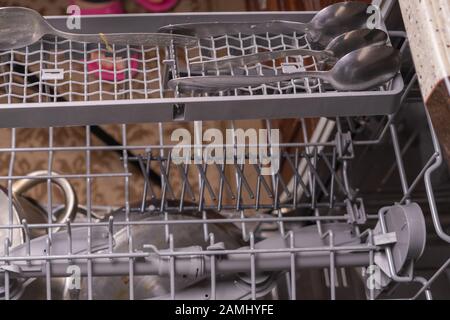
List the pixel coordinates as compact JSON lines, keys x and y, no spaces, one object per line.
{"x":241,"y":61}
{"x":223,"y":83}
{"x":132,"y":39}
{"x":215,"y":29}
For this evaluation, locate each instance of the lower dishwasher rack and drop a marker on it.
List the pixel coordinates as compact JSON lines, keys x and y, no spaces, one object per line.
{"x":57,"y":82}
{"x":211,"y":231}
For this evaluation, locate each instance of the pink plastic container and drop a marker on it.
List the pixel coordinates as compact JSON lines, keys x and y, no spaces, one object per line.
{"x":107,"y":72}
{"x":163,"y":6}
{"x":113,"y":7}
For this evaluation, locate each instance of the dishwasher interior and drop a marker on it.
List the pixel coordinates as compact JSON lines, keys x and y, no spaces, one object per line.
{"x":357,"y":210}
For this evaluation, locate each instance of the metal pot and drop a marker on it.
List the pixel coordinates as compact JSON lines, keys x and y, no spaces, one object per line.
{"x":16,"y":208}
{"x":24,"y":208}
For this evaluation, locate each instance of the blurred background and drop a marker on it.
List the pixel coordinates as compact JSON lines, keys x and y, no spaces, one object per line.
{"x":57,"y":7}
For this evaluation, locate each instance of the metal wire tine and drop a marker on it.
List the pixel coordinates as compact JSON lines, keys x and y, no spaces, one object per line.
{"x":48,"y":269}
{"x":399,"y":159}
{"x":147,"y":182}
{"x":422,"y":281}
{"x":224,"y":181}
{"x":258,"y":192}
{"x":405,"y":149}
{"x":244,"y":181}
{"x":7,"y":245}
{"x":205,"y":181}
{"x":419,"y":177}
{"x":335,"y":177}
{"x":49,"y":180}
{"x":263,"y":181}
{"x":433,"y":279}
{"x":283,"y":184}
{"x":201,"y":196}
{"x":10,"y":183}
{"x":26,"y":231}
{"x":69,"y":236}
{"x":205,"y":226}
{"x":329,"y":234}
{"x":245,"y":237}
{"x":186,"y":186}
{"x":165,"y":181}
{"x":131,"y":269}
{"x":110,"y":234}
{"x":213,"y":268}
{"x":172,"y":267}
{"x":293,"y":267}
{"x":276,"y":198}
{"x":281,"y":223}
{"x":221,"y":187}
{"x":297,"y":177}
{"x":147,"y":185}
{"x":252,"y":266}
{"x":316,"y":175}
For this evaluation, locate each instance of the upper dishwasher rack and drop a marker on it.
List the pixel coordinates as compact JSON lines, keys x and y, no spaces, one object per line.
{"x":53,"y":83}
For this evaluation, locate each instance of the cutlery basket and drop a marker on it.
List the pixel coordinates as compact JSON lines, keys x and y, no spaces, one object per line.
{"x":57,"y":82}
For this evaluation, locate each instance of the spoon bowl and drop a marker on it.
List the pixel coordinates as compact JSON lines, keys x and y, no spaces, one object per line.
{"x":337,"y":19}
{"x":365,"y":69}
{"x":355,"y":40}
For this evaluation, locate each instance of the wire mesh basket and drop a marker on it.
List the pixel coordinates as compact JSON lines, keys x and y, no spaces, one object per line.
{"x":59,"y":82}
{"x":197,"y":230}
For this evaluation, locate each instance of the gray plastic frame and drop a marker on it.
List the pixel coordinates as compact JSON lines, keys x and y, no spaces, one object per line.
{"x":327,"y":104}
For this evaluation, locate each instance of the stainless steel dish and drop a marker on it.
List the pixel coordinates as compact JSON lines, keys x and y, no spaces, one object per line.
{"x":27,"y":209}
{"x":185,"y":235}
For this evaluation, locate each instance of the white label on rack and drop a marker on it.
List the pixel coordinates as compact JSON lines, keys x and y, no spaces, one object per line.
{"x":385,"y":239}
{"x":52,"y":74}
{"x":288,"y":68}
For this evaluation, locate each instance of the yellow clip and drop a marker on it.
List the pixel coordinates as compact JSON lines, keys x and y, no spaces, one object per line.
{"x":105,"y":41}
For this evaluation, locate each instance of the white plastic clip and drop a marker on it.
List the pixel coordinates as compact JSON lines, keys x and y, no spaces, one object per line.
{"x":385,"y":239}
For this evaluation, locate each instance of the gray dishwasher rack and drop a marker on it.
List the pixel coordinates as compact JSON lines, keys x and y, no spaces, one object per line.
{"x":55,"y":82}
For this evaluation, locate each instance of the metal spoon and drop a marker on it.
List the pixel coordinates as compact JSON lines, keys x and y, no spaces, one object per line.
{"x":336,"y":49}
{"x":357,"y":71}
{"x":21,"y":27}
{"x":328,"y":23}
